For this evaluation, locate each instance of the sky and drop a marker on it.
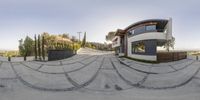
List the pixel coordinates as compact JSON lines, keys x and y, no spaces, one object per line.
{"x":19,"y":18}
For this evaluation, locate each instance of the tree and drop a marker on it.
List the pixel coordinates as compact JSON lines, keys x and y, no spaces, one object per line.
{"x":110,"y":36}
{"x":73,"y":39}
{"x":26,"y":47}
{"x":169,"y":43}
{"x":84,"y":40}
{"x":47,"y":39}
{"x":28,"y":44}
{"x":43,"y":51}
{"x":39,"y":47}
{"x":65,"y":35}
{"x":35,"y":47}
{"x":21,"y":47}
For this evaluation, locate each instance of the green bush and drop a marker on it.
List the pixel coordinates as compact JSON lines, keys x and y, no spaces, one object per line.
{"x":11,"y":54}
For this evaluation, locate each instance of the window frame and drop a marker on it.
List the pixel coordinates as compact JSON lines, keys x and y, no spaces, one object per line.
{"x":134,"y":47}
{"x":152,"y":29}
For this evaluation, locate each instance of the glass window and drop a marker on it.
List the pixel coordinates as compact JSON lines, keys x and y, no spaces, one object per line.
{"x":131,"y":32}
{"x":138,"y":47}
{"x":139,"y":30}
{"x":151,"y":28}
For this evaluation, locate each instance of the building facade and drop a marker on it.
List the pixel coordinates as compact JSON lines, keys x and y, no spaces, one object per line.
{"x":140,"y":40}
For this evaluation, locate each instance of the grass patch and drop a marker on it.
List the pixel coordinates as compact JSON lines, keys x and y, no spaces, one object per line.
{"x":140,"y":60}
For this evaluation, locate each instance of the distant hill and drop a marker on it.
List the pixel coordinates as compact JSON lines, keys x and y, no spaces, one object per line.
{"x":9,"y":52}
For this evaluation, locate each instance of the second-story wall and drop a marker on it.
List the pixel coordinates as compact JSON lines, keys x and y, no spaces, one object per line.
{"x":116,"y":41}
{"x":149,"y":34}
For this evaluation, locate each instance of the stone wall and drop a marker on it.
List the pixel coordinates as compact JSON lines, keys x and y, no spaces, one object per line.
{"x":60,"y":54}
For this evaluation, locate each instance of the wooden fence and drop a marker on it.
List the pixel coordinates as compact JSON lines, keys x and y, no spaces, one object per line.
{"x":171,"y":56}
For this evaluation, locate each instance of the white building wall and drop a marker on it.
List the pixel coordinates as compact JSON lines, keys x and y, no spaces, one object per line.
{"x":169,"y":29}
{"x":116,"y":43}
{"x":144,"y":57}
{"x":144,"y":36}
{"x":148,"y":36}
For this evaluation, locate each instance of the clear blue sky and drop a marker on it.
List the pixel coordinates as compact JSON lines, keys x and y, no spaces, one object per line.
{"x":19,"y":18}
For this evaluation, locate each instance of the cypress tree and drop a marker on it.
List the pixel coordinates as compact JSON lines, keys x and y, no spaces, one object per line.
{"x":43,"y":52}
{"x":39,"y":47}
{"x":35,"y":47}
{"x":84,"y":40}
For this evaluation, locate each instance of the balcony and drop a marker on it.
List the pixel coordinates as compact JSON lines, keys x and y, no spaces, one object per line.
{"x":116,"y":42}
{"x":133,"y":32}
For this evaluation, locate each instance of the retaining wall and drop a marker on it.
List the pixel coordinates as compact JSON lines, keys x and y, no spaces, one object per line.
{"x":60,"y":54}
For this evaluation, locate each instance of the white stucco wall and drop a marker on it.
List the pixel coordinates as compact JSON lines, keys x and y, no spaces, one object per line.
{"x":116,"y":43}
{"x":144,"y":36}
{"x":169,"y":29}
{"x":143,"y":57}
{"x":147,"y":36}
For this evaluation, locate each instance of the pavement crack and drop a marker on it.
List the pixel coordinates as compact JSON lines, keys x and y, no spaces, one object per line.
{"x":40,"y":67}
{"x":173,"y":68}
{"x":74,"y":83}
{"x":1,"y":64}
{"x":195,"y":77}
{"x":143,"y":80}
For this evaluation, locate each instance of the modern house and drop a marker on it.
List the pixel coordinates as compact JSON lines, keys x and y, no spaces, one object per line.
{"x":141,"y":39}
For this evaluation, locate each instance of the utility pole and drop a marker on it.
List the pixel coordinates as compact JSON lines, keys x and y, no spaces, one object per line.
{"x":79,"y":34}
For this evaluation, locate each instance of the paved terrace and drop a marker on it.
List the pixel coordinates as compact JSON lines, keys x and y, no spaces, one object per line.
{"x":99,"y":75}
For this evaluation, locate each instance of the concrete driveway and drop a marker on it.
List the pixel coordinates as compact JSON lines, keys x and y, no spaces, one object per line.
{"x":93,"y":74}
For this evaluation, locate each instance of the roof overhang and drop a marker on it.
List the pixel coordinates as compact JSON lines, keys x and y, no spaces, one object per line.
{"x":158,"y":22}
{"x":119,"y":32}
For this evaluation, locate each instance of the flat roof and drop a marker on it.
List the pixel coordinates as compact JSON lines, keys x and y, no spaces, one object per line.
{"x":160,"y":22}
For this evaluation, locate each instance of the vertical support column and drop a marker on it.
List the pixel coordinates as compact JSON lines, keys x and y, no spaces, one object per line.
{"x":169,"y":29}
{"x":126,"y":44}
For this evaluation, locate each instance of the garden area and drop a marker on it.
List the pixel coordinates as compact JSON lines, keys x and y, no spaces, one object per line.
{"x":47,"y":47}
{"x":40,"y":46}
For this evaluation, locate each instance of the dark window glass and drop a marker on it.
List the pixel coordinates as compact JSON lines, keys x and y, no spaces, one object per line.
{"x":139,"y":30}
{"x":131,"y":32}
{"x":151,"y":28}
{"x":138,"y":47}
